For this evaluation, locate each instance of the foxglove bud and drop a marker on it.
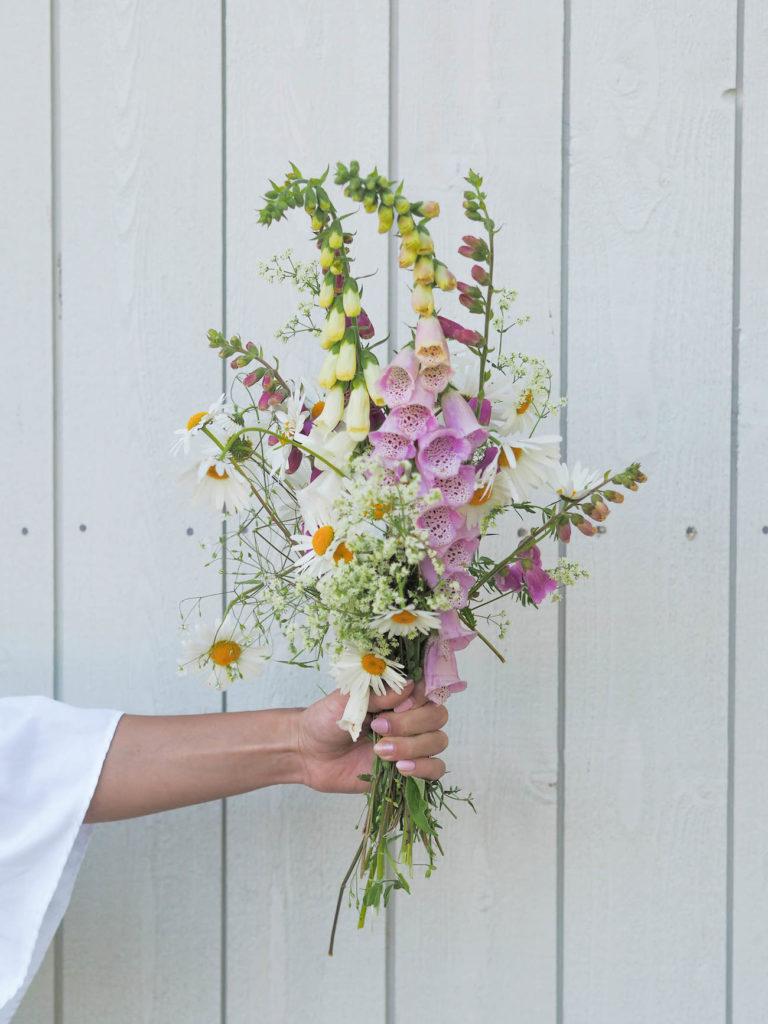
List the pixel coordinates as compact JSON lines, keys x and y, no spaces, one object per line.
{"x":335,"y":236}
{"x":615,"y":496}
{"x":326,"y":257}
{"x":474,"y":248}
{"x":254,"y":377}
{"x":405,"y":224}
{"x":407,"y":257}
{"x":351,"y":298}
{"x":334,"y":326}
{"x":473,"y":305}
{"x":388,"y":197}
{"x":358,"y":414}
{"x":426,"y":245}
{"x":412,"y":240}
{"x":364,"y":326}
{"x":372,"y":375}
{"x":327,"y":377}
{"x":346,"y":364}
{"x":481,"y":275}
{"x":370,"y":203}
{"x":386,"y":218}
{"x":333,"y":409}
{"x":424,"y":270}
{"x":327,"y":291}
{"x":319,"y":220}
{"x":422,"y":300}
{"x":430,"y":209}
{"x":564,"y":531}
{"x":401,"y":204}
{"x":444,"y":279}
{"x":584,"y":526}
{"x":294,"y":459}
{"x":640,"y":477}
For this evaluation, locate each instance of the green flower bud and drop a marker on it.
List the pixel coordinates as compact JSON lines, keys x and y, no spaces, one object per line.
{"x":351,"y":298}
{"x":327,"y":291}
{"x":335,"y":236}
{"x":386,"y":218}
{"x":346,"y":364}
{"x":405,"y":224}
{"x":370,"y":203}
{"x":402,"y":205}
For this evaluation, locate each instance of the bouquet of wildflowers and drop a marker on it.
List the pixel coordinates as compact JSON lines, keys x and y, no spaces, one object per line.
{"x":359,"y":502}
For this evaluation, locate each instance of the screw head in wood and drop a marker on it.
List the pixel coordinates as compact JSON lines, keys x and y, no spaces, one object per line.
{"x":691,"y":532}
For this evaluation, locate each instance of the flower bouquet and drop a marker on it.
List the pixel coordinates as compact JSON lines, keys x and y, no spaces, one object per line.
{"x":358,"y":509}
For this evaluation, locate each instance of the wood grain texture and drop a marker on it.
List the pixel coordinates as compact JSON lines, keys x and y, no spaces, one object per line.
{"x":750,"y":911}
{"x":478,"y":87}
{"x":26,"y":380}
{"x":651,"y":196}
{"x":141,"y":256}
{"x":288,"y":848}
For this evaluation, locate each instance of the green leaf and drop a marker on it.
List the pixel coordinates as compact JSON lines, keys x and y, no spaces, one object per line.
{"x":417,"y":805}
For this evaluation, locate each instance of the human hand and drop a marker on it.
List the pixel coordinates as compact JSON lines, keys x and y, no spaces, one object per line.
{"x":411,"y":734}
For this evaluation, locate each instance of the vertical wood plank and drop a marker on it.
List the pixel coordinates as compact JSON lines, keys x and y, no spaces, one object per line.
{"x":26,"y":461}
{"x":289,"y":72}
{"x":141,"y":256}
{"x":750,"y":910}
{"x":481,"y":86}
{"x":651,"y":198}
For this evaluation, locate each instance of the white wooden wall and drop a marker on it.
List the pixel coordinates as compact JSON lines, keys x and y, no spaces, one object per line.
{"x":616,"y":873}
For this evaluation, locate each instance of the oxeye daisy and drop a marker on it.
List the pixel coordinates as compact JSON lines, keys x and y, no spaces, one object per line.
{"x":320,"y":551}
{"x":528,"y":462}
{"x":492,"y":491}
{"x":219,"y":485}
{"x":195,"y":424}
{"x":290,"y":423}
{"x":357,"y":672}
{"x":406,"y":621}
{"x":574,"y":482}
{"x":225,"y":650}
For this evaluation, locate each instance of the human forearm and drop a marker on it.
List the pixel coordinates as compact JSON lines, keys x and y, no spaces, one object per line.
{"x":157,"y":763}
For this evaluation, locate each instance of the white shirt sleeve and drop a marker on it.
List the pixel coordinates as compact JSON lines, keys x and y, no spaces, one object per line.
{"x":51,"y":756}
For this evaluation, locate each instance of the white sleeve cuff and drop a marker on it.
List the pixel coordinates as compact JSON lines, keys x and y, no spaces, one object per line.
{"x":51,"y":757}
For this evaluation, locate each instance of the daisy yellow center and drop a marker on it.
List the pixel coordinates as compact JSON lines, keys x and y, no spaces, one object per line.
{"x":481,"y":496}
{"x":380,"y":509}
{"x":316,"y":409}
{"x":225,"y":652}
{"x":525,"y":404}
{"x":342,"y":554}
{"x":214,"y":474}
{"x":373,"y":665}
{"x":504,"y":461}
{"x":321,"y":539}
{"x":404,"y":618}
{"x":193,"y":421}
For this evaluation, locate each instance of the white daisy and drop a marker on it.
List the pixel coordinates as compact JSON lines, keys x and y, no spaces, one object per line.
{"x":575,"y":482}
{"x":499,"y":390}
{"x":493,"y":491}
{"x":320,"y":551}
{"x":357,"y":672}
{"x":405,"y":621}
{"x":219,"y":485}
{"x":195,"y":424}
{"x":226,"y":651}
{"x":290,"y":421}
{"x":335,"y":446}
{"x":528,"y":462}
{"x":519,"y":415}
{"x":316,"y":500}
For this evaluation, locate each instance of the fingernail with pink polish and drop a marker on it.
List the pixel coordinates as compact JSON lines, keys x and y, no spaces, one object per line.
{"x":380,"y":725}
{"x":384,"y":747}
{"x":405,"y":766}
{"x":405,"y":706}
